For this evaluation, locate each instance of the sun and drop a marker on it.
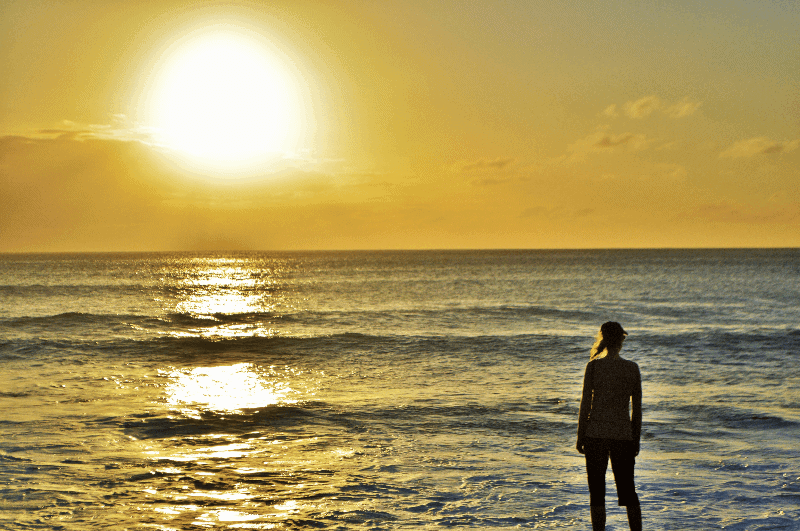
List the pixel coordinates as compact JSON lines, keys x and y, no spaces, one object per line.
{"x":224,"y":100}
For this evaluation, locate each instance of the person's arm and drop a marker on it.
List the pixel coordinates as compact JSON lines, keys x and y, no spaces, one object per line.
{"x":586,"y":405}
{"x":636,"y":413}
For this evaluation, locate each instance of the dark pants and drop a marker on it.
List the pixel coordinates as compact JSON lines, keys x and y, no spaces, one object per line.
{"x":623,"y":458}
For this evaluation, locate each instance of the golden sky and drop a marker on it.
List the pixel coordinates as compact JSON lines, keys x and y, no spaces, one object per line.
{"x":187,"y":125}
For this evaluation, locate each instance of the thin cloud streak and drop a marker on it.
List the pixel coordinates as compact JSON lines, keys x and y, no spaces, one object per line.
{"x":643,"y":107}
{"x":484,"y":164}
{"x":759,"y":146}
{"x":604,"y":141}
{"x":685,"y":107}
{"x":646,"y":106}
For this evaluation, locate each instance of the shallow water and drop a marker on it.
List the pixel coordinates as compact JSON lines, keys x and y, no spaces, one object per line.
{"x":390,"y":390}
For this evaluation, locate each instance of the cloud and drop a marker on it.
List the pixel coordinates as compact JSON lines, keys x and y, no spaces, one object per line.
{"x":488,"y":182}
{"x":66,"y":134}
{"x":643,"y":107}
{"x":484,"y":164}
{"x":611,"y":141}
{"x":603,"y":141}
{"x":729,"y":212}
{"x":667,"y":146}
{"x":64,"y":190}
{"x":610,"y":111}
{"x":676,"y":174}
{"x":685,"y":107}
{"x":62,"y":193}
{"x":120,"y":130}
{"x":759,"y":146}
{"x":546,"y":213}
{"x":559,"y":214}
{"x":537,"y":211}
{"x":94,"y":192}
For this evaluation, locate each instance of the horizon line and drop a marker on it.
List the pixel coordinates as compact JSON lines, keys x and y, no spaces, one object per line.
{"x":389,"y":250}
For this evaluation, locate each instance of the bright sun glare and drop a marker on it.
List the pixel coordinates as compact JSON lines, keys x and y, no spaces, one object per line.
{"x":224,"y":100}
{"x":223,"y":389}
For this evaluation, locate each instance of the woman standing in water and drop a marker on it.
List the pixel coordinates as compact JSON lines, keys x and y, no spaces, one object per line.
{"x":605,"y":426}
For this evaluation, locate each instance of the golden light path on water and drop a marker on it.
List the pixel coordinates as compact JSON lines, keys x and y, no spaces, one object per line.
{"x":230,"y":388}
{"x":217,"y":401}
{"x":227,"y":406}
{"x":229,"y":300}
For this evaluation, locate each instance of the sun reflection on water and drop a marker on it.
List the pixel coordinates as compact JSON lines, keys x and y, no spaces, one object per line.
{"x":228,"y":290}
{"x":224,"y":298}
{"x":223,"y":389}
{"x":218,"y":460}
{"x":227,"y":515}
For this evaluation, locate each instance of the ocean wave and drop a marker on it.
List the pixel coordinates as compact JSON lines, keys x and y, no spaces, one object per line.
{"x":70,"y":320}
{"x":14,"y":394}
{"x":30,"y":349}
{"x":448,"y":320}
{"x":210,"y":423}
{"x":62,"y":319}
{"x":66,"y":290}
{"x":734,"y":418}
{"x":720,"y":338}
{"x":10,"y":458}
{"x":215,"y":319}
{"x":182,"y":336}
{"x":714,"y":340}
{"x":197,"y":349}
{"x":502,"y":311}
{"x":310,"y":316}
{"x":183,"y":289}
{"x":475,"y":418}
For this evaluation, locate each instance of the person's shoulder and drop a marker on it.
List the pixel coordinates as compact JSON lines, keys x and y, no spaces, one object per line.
{"x":591,"y":366}
{"x":632,"y":365}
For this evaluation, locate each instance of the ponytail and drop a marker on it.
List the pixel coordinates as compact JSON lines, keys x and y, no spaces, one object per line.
{"x":598,"y":348}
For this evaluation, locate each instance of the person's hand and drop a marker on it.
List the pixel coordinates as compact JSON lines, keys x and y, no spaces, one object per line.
{"x":637,"y":448}
{"x":579,"y":446}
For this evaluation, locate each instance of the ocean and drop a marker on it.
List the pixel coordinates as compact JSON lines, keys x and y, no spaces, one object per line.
{"x":390,"y":390}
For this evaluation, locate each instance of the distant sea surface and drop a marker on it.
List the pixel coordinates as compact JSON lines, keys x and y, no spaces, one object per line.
{"x":390,"y":390}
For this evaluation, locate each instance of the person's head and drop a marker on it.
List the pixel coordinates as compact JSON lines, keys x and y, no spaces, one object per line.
{"x":609,"y":340}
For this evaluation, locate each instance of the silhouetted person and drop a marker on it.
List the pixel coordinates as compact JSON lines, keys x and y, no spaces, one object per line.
{"x":605,"y":426}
